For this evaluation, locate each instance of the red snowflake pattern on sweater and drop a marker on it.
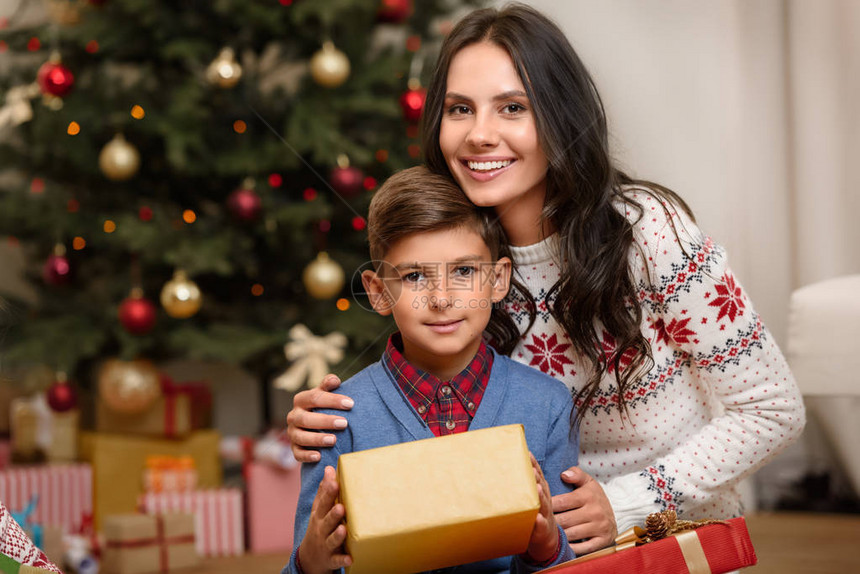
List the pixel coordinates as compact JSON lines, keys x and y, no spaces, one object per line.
{"x":676,"y":331}
{"x":729,"y":299}
{"x":549,"y":355}
{"x":610,"y":349}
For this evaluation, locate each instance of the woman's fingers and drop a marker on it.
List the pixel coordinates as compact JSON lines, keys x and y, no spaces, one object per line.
{"x":320,"y":398}
{"x":330,"y":382}
{"x":588,"y":545}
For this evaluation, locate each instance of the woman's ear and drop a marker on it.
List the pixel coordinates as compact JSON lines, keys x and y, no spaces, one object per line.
{"x":501,"y":278}
{"x":374,"y":286}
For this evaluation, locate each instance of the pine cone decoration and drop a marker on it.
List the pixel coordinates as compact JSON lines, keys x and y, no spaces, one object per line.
{"x":660,"y":524}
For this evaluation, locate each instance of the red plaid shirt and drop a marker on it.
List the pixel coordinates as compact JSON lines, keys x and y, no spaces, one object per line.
{"x":447,"y":407}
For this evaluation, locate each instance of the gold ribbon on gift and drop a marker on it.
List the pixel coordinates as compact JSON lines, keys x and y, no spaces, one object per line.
{"x":659,"y":525}
{"x":311,"y":356}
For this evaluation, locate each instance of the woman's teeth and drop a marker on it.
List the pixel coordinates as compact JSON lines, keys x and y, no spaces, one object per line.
{"x":488,"y":165}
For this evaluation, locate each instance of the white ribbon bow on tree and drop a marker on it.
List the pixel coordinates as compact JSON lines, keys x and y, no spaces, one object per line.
{"x":17,"y":109}
{"x":311,"y":357}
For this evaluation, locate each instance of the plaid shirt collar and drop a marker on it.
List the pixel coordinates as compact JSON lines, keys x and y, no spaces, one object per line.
{"x":421,"y":387}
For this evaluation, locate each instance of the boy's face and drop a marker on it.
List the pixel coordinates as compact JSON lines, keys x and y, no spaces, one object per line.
{"x":440,"y":286}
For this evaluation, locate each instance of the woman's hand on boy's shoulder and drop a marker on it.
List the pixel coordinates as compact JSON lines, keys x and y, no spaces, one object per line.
{"x":585,"y":514}
{"x":302,"y":421}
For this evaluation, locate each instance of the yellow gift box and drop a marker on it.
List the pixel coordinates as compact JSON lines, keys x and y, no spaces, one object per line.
{"x":118,"y":463}
{"x":438,"y":502}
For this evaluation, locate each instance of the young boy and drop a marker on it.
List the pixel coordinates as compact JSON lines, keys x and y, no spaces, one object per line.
{"x":438,"y":272}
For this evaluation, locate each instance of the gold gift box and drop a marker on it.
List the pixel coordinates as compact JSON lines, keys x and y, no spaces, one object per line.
{"x":118,"y":463}
{"x":162,"y":419}
{"x":141,"y":543}
{"x":438,"y":502}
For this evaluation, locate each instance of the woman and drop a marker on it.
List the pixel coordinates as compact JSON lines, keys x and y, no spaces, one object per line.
{"x":680,"y":389}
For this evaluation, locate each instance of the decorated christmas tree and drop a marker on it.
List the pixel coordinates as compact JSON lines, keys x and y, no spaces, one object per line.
{"x":189,"y":179}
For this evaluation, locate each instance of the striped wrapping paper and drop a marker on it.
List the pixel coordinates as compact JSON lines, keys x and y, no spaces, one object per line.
{"x":218,"y":513}
{"x":65,"y":492}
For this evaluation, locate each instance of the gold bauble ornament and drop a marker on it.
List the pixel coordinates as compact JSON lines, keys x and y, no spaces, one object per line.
{"x":65,"y":12}
{"x":224,"y":71}
{"x":119,"y":159}
{"x":323,"y":277}
{"x":329,"y":66}
{"x":181,"y":296}
{"x":129,"y":387}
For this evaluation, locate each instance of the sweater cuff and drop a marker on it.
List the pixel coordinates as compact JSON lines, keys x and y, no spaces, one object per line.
{"x":629,"y":498}
{"x":563,"y":553}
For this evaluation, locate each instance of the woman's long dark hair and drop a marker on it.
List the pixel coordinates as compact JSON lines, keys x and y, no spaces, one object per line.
{"x":583,"y":188}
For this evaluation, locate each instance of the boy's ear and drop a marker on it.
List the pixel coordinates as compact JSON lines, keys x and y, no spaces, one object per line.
{"x":501,"y":279}
{"x":379,"y":296}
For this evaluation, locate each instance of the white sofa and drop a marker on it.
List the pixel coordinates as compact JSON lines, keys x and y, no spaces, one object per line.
{"x":824,"y":353}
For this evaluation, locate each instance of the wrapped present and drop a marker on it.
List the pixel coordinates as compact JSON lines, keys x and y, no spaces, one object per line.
{"x":393,"y":529}
{"x":118,"y":462}
{"x":65,"y":492}
{"x":670,"y":546}
{"x":169,"y":474}
{"x":272,"y":497}
{"x":39,"y":433}
{"x":11,"y":566}
{"x":139,"y":543}
{"x":180,"y":409}
{"x":218,"y":515}
{"x":8,"y":392}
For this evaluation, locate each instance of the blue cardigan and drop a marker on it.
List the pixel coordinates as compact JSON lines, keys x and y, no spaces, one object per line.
{"x":382,"y":416}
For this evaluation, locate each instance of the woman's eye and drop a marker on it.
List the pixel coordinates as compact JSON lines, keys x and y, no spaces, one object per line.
{"x":458,"y":110}
{"x":514,"y":108}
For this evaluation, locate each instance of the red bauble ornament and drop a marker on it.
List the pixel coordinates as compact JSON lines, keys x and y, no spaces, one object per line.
{"x":244,"y":204}
{"x":412,"y":102}
{"x":347,"y":181}
{"x":61,"y":396}
{"x":55,"y":79}
{"x":57,"y":269}
{"x":394,"y":11}
{"x":137,"y":313}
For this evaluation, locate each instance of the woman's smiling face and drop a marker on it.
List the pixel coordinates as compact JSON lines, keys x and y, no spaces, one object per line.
{"x":488,"y":132}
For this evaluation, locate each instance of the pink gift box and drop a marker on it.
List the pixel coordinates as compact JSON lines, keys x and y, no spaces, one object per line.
{"x":273,"y":494}
{"x":218,"y":517}
{"x":65,"y":492}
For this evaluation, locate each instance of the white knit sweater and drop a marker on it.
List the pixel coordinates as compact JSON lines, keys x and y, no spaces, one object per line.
{"x":718,"y":403}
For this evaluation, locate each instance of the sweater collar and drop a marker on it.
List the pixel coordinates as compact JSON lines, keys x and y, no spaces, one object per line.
{"x":541,"y":252}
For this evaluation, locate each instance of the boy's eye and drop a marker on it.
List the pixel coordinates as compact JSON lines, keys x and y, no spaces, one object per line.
{"x":413,"y":277}
{"x":464,"y":270}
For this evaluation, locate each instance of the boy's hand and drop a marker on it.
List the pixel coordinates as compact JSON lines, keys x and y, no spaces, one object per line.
{"x":322,"y":550}
{"x":544,"y":541}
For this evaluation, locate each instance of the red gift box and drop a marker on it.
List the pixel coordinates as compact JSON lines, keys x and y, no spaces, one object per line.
{"x":200,"y":399}
{"x":712,"y":549}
